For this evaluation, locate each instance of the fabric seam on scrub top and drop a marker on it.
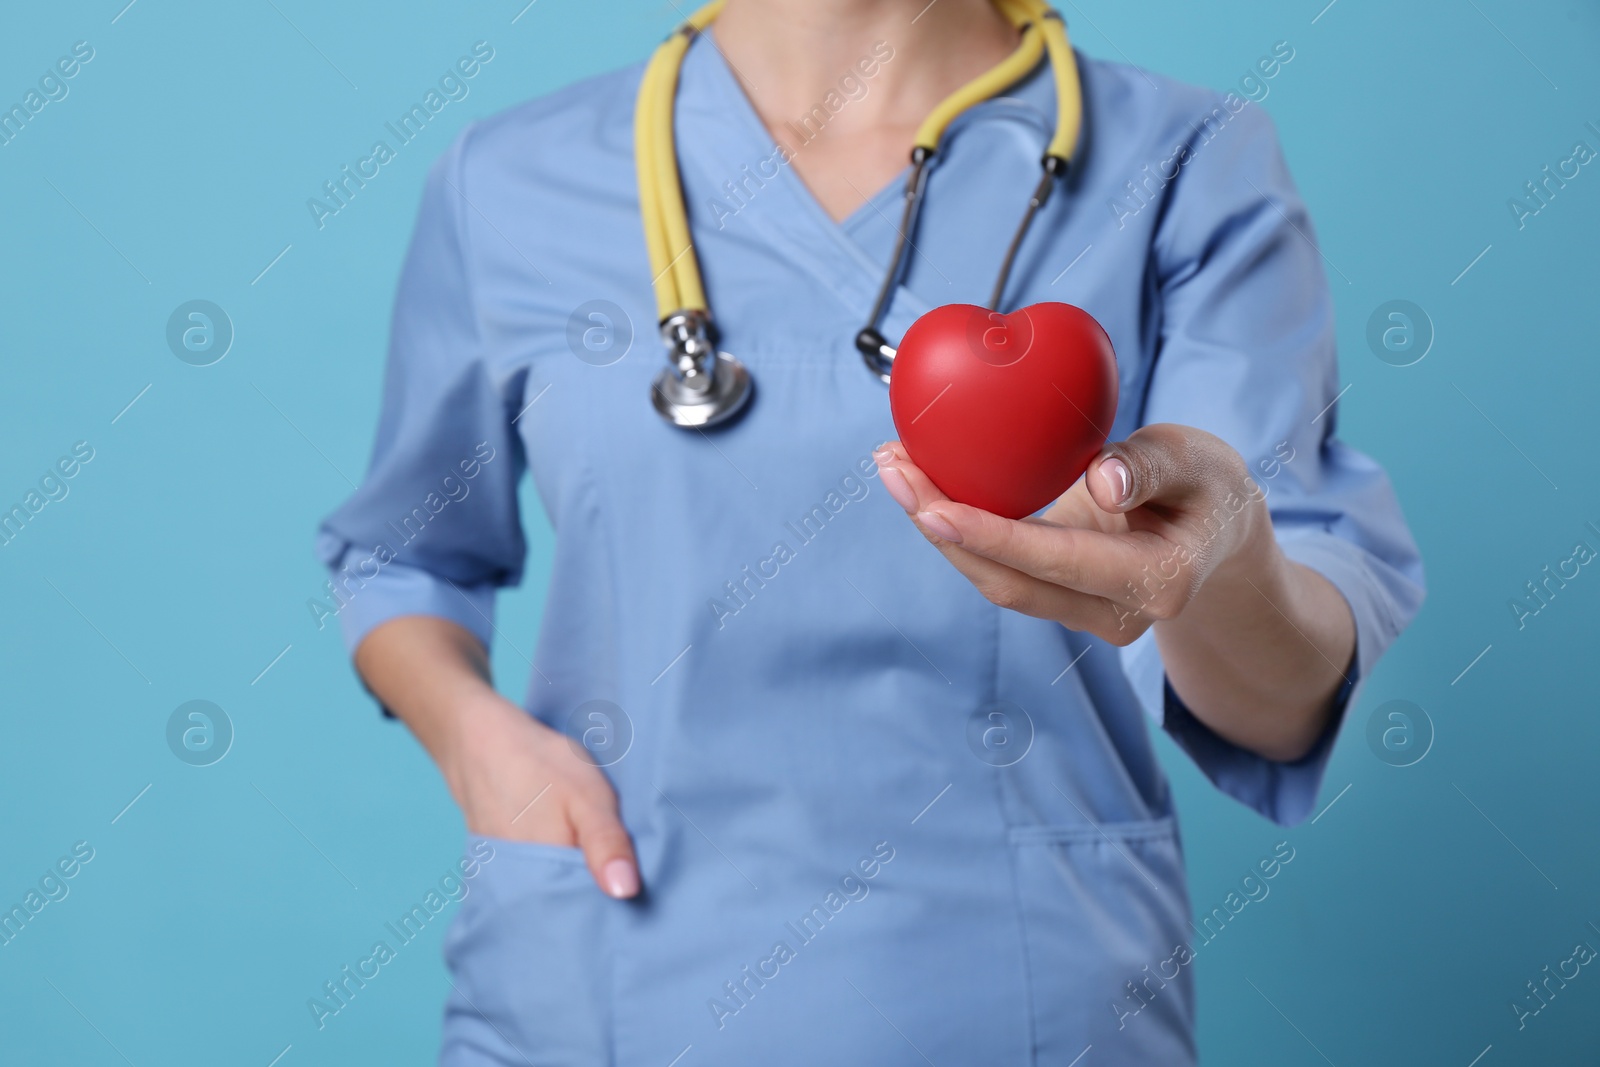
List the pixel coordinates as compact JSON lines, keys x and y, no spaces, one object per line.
{"x":1158,"y":829}
{"x":1017,"y":909}
{"x":463,"y":236}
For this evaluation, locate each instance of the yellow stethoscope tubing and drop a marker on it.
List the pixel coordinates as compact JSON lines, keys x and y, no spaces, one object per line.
{"x":672,"y":264}
{"x":1003,"y":74}
{"x":674,"y":268}
{"x":655,"y":234}
{"x":1069,"y":93}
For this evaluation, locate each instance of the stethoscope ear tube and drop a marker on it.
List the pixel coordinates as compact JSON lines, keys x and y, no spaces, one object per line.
{"x":874,"y":349}
{"x":1054,"y":167}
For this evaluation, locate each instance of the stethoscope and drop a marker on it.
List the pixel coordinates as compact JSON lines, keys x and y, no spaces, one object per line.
{"x":701,"y":386}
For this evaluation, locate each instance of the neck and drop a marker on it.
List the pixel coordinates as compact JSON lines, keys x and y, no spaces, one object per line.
{"x":794,"y":56}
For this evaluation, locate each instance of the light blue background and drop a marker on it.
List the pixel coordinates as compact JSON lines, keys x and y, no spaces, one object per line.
{"x":179,"y":566}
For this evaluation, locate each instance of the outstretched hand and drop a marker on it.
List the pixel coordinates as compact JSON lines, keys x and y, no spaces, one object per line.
{"x":1165,"y":529}
{"x":1132,"y":542}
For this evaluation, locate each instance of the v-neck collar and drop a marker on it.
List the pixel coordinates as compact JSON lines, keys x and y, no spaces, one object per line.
{"x":742,"y":110}
{"x":719,"y":134}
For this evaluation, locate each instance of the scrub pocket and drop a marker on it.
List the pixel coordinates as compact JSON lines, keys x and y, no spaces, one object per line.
{"x":1101,"y":908}
{"x":527,"y":961}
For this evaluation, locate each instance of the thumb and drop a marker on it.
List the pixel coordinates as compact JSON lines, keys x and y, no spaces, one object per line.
{"x":607,"y":849}
{"x":1156,"y":463}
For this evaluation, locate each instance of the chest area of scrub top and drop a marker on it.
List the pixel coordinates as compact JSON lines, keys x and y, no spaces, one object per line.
{"x":787,"y":284}
{"x":741,"y":190}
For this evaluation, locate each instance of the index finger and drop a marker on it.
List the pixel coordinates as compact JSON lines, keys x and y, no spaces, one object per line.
{"x":1100,"y":564}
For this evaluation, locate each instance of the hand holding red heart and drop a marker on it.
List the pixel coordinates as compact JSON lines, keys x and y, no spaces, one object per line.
{"x":1164,"y":529}
{"x":1000,"y":414}
{"x":1133,"y":541}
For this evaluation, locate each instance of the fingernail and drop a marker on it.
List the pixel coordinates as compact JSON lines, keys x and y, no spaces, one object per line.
{"x":883,"y":453}
{"x":898,"y":487}
{"x":621,"y":879}
{"x":1115,"y":472}
{"x":940,"y":526}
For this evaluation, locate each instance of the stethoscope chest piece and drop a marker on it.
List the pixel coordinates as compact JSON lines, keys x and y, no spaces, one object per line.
{"x":700,"y":387}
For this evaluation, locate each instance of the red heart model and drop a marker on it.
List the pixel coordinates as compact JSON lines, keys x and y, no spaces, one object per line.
{"x":1004,"y":412}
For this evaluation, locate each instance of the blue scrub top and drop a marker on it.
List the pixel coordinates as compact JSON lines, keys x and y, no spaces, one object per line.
{"x":879,"y":820}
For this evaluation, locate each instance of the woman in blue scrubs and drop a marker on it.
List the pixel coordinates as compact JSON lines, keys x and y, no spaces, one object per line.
{"x":789,"y":783}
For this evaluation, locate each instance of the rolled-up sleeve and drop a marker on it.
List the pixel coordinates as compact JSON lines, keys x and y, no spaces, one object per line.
{"x":1246,"y":351}
{"x":433,"y":528}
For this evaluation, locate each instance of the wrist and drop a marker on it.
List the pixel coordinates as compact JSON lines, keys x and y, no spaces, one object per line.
{"x":478,"y":729}
{"x":1253,"y":568}
{"x":1257,"y":560}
